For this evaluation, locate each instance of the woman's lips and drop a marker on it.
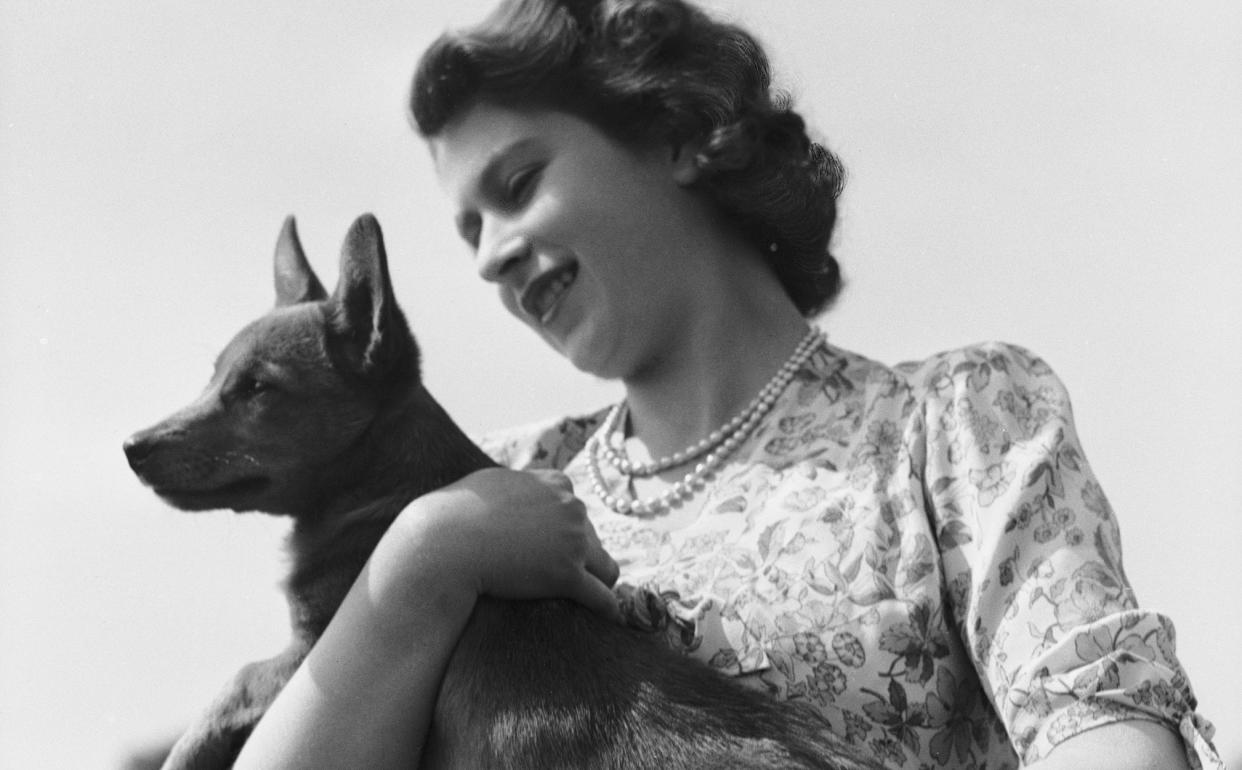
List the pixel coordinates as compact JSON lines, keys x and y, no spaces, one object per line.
{"x":541,"y":297}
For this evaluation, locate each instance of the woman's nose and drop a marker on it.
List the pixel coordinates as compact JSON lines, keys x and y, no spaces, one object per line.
{"x":500,"y":257}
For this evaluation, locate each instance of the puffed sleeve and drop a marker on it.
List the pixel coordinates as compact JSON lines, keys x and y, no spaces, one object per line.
{"x":1032,"y":555}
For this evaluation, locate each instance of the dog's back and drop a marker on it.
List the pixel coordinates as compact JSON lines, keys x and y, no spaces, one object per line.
{"x":549,"y":684}
{"x":317,"y":411}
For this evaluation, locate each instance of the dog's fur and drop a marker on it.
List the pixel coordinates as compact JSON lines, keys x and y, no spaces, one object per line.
{"x":317,"y":411}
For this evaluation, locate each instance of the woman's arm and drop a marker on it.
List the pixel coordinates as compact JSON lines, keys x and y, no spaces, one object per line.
{"x":364,"y":696}
{"x":1030,"y":540}
{"x":1135,"y":744}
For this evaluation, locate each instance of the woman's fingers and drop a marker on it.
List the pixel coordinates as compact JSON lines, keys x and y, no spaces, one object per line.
{"x":594,"y":586}
{"x":598,"y":597}
{"x":599,"y":562}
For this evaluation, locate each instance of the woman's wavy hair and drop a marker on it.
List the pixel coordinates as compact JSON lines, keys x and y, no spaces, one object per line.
{"x":652,"y":71}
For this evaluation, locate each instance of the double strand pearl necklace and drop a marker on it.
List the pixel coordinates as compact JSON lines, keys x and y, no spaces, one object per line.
{"x":713,"y":449}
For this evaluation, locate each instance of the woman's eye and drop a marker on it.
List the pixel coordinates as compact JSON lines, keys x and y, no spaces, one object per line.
{"x":520,"y":184}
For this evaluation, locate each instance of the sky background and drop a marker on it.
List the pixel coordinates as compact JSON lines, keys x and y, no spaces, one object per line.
{"x":1065,"y":176}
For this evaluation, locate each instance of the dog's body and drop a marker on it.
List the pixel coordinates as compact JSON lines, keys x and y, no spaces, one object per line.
{"x":316,"y":410}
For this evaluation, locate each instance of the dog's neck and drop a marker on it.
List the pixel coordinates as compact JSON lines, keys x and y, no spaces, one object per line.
{"x":411,"y":448}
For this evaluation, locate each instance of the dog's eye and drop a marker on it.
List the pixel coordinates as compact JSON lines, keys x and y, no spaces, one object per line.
{"x":251,"y":386}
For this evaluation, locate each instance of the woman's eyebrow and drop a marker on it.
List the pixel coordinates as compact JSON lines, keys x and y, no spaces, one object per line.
{"x":498,"y":158}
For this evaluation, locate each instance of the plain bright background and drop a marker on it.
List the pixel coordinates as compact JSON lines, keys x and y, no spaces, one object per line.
{"x":1066,"y":176}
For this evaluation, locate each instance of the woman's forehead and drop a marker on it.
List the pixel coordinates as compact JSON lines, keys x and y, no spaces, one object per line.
{"x":484,"y":134}
{"x":471,"y":143}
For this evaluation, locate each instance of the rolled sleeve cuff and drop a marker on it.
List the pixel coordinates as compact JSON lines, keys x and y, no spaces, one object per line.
{"x":1120,"y":667}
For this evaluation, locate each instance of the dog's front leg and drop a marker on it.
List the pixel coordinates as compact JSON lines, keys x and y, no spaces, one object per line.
{"x":215,"y":739}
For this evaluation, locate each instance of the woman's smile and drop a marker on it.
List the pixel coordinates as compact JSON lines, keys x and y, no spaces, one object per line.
{"x":585,"y":238}
{"x":542,"y":295}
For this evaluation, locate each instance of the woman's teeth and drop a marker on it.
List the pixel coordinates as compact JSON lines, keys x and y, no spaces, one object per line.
{"x":550,"y":294}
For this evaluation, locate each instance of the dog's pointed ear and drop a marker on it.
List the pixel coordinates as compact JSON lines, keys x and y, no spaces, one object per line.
{"x":295,"y":281}
{"x":365,"y":316}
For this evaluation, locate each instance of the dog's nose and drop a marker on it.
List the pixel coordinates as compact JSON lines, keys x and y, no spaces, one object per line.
{"x":137,"y":449}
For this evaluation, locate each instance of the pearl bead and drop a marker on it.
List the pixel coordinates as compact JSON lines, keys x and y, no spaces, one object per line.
{"x":714,"y":448}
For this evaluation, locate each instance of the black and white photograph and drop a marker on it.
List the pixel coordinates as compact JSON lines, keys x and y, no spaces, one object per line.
{"x":620,"y":384}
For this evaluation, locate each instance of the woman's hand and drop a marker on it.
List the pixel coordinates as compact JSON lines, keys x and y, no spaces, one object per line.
{"x":508,"y":534}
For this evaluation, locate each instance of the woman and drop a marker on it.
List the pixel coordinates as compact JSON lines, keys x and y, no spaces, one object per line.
{"x":919,"y":551}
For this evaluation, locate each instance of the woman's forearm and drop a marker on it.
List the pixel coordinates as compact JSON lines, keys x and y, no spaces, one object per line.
{"x":365,"y":694}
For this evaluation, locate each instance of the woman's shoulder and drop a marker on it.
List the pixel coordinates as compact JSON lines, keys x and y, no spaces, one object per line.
{"x":988,"y":375}
{"x":1004,"y":358}
{"x":971,"y":367}
{"x":948,"y":374}
{"x":549,"y":443}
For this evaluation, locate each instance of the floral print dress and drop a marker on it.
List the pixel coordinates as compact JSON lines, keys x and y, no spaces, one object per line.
{"x":920,"y":552}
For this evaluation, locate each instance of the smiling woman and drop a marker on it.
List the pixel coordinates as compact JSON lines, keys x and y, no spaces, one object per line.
{"x":580,"y":263}
{"x":903,"y":549}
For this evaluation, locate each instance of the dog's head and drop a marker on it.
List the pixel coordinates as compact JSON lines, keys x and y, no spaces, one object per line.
{"x":292,"y":392}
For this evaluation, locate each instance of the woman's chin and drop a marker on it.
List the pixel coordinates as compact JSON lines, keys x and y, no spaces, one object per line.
{"x":588,"y":352}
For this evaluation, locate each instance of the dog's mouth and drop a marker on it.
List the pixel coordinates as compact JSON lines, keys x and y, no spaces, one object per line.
{"x":542,"y":295}
{"x":234,"y":494}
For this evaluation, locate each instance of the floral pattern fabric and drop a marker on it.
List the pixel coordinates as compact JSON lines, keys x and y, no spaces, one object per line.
{"x":921,"y":552}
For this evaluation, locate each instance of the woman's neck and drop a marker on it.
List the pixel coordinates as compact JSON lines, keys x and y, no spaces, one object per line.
{"x":712,"y":367}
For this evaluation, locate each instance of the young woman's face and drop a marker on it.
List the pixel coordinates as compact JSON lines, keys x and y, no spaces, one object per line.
{"x":578,"y":232}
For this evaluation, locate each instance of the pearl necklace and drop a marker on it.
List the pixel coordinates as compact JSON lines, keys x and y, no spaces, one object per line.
{"x":716,"y":446}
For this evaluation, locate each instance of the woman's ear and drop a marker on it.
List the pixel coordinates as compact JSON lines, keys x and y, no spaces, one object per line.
{"x":685,"y":164}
